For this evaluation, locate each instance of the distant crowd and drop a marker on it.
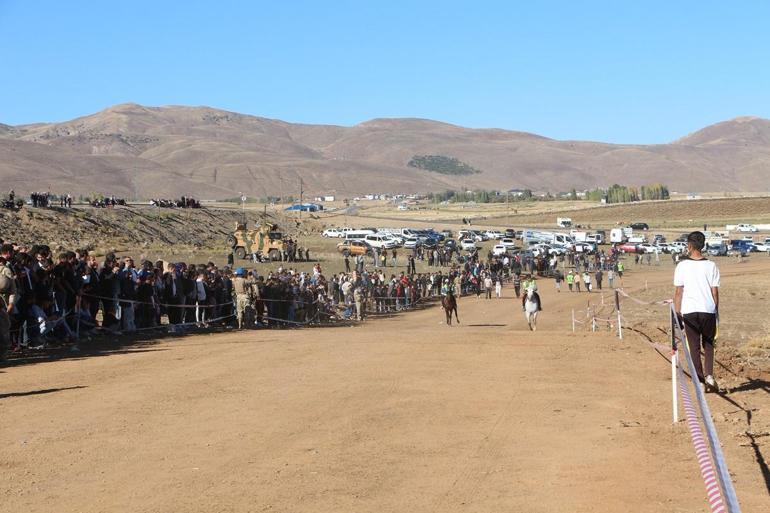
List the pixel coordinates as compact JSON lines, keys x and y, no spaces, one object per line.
{"x":55,"y":299}
{"x":184,"y":202}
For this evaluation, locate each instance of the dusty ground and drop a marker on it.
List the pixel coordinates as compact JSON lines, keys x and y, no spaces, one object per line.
{"x":401,"y":414}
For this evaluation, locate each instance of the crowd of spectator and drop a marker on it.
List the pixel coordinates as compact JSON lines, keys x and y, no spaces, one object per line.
{"x":40,"y":199}
{"x":58,"y":298}
{"x":183,"y":202}
{"x":107,"y":202}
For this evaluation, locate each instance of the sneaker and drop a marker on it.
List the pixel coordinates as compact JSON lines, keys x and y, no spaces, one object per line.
{"x":711,"y":384}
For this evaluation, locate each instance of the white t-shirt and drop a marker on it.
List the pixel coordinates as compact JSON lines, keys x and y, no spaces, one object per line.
{"x":697,"y":277}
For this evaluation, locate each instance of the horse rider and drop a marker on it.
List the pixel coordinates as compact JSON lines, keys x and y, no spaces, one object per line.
{"x":530,"y":284}
{"x":448,"y":288}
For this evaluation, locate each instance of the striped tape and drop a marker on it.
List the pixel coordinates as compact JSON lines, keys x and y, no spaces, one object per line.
{"x":716,"y":477}
{"x":713,"y":492}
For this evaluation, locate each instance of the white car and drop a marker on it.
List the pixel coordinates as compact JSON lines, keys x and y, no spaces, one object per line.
{"x":499,"y":250}
{"x":508,"y":243}
{"x":583,"y":247}
{"x":678,"y":247}
{"x":398,"y":241}
{"x":411,"y":242}
{"x":762,"y":246}
{"x":467,"y":245}
{"x":333,"y":233}
{"x":544,"y":250}
{"x":649,"y":248}
{"x":494,"y":234}
{"x":746,"y":228}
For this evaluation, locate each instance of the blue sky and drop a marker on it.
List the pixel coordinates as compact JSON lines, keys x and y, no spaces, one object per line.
{"x":636,"y":72}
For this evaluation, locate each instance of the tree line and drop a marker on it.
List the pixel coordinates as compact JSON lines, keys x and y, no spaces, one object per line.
{"x":625,"y":194}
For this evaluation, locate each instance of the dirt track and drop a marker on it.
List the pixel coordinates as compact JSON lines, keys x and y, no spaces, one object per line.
{"x":402,"y":414}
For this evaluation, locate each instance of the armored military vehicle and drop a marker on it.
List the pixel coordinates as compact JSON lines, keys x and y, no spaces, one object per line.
{"x":264,"y":240}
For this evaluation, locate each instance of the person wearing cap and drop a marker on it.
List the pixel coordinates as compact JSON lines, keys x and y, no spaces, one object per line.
{"x":241,"y":290}
{"x":447,"y":288}
{"x":530,"y":284}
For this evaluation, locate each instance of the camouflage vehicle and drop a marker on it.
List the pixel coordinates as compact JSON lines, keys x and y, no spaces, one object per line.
{"x":263,"y":240}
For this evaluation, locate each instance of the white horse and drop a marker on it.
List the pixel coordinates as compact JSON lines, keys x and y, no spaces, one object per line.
{"x":531,"y":310}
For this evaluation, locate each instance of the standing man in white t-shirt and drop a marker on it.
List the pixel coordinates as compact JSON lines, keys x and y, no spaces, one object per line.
{"x":696,"y":301}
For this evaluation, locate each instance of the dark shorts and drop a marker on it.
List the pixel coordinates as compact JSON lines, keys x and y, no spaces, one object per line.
{"x":700,"y":326}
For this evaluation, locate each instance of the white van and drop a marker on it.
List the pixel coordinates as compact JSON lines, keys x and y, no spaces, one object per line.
{"x":358,"y":234}
{"x":380,"y":241}
{"x":617,"y":236}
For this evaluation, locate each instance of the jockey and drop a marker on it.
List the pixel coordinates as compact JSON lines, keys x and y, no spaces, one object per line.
{"x":448,"y":288}
{"x":528,"y":284}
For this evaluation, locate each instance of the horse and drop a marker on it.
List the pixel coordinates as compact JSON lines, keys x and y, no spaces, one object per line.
{"x":449,"y":303}
{"x":531,"y":309}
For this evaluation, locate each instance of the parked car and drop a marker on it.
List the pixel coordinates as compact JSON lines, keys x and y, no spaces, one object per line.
{"x":510,"y":232}
{"x":335,"y":233}
{"x":469,"y":234}
{"x":546,"y":250}
{"x":678,"y":247}
{"x":468,"y":244}
{"x":629,"y":248}
{"x":646,"y":247}
{"x":762,"y":246}
{"x":584,"y":247}
{"x":601,"y":237}
{"x":639,"y":226}
{"x":746,"y":228}
{"x":450,"y":244}
{"x":494,"y":234}
{"x":499,"y":250}
{"x":717,"y":249}
{"x":353,"y":247}
{"x":508,"y":242}
{"x":380,"y":241}
{"x":744,"y":246}
{"x":411,"y":242}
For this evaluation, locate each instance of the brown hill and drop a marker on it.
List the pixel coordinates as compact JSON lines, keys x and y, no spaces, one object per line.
{"x":143,"y":152}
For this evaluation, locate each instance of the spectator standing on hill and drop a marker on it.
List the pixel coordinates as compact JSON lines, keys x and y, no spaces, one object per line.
{"x":599,"y":276}
{"x":696,"y":302}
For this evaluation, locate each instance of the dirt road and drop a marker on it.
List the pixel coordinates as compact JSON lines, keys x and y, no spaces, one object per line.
{"x":401,"y":414}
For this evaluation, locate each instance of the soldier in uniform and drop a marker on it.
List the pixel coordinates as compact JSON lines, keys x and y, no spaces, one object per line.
{"x":358,"y":298}
{"x":241,"y":290}
{"x":7,"y":299}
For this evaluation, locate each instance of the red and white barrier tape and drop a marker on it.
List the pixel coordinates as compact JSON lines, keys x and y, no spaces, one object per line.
{"x":707,"y":472}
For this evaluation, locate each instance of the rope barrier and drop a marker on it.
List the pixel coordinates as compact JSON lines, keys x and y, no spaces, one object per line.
{"x":722,"y":474}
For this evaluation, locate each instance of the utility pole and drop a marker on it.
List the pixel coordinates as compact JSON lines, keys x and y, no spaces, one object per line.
{"x":507,"y":210}
{"x":300,"y":198}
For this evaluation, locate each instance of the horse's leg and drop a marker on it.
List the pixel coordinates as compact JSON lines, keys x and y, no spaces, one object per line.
{"x":534,"y":321}
{"x":456,"y":317}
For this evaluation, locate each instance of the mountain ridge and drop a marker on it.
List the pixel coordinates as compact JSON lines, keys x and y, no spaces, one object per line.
{"x":142,"y":151}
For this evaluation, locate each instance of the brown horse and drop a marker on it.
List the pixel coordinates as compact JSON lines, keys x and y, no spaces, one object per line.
{"x":449,"y":303}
